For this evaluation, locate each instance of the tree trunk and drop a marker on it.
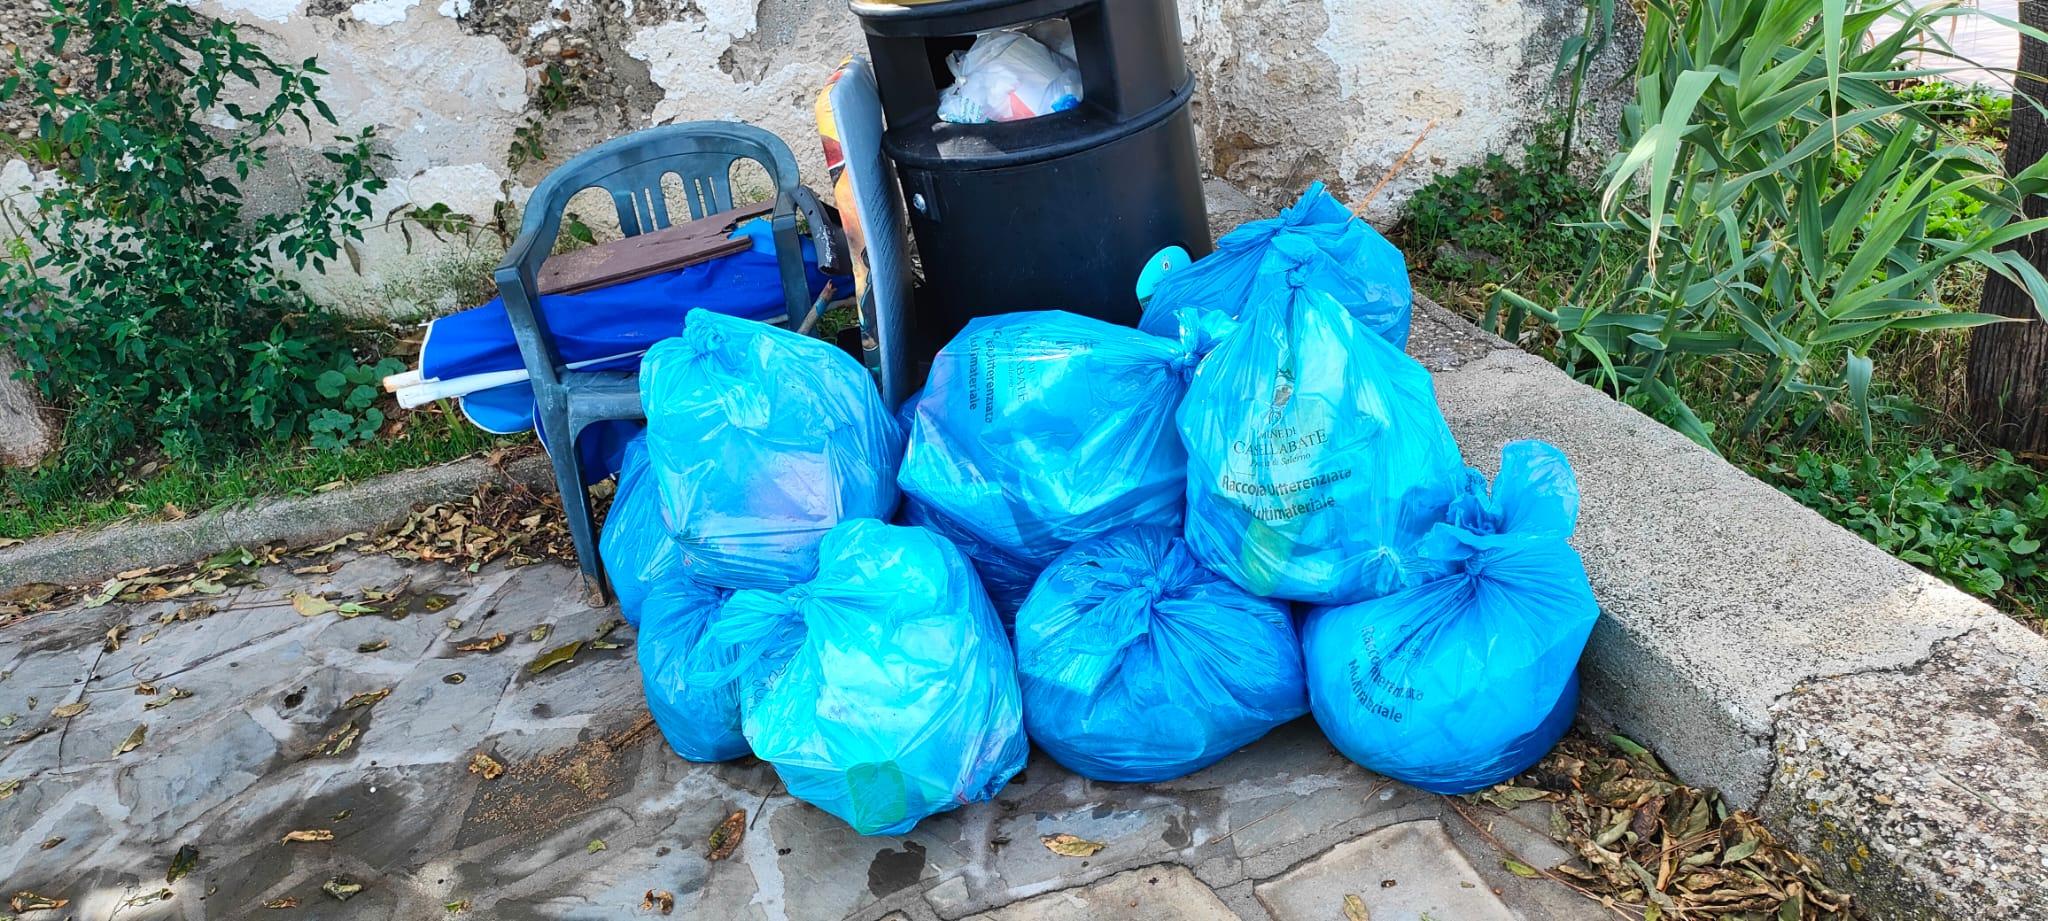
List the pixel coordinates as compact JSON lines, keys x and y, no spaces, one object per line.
{"x":2008,"y":375}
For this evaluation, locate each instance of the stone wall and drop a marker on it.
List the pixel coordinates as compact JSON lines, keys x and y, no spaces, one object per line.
{"x":1291,"y":91}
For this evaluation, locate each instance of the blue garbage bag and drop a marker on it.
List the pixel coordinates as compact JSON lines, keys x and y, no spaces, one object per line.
{"x":1005,"y":576}
{"x":1365,"y":273}
{"x":1463,"y":682}
{"x":762,"y":440}
{"x":636,"y":548}
{"x":883,"y":690}
{"x":1316,"y":452}
{"x":699,"y":717}
{"x":1140,"y":664}
{"x":1037,"y":430}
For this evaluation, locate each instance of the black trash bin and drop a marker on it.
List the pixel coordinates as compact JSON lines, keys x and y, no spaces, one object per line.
{"x":1061,"y":211}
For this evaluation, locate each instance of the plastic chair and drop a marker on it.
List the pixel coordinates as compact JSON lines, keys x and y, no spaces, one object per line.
{"x":631,"y":168}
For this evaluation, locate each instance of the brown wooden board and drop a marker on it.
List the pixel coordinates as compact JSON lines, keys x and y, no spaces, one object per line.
{"x":650,"y":253}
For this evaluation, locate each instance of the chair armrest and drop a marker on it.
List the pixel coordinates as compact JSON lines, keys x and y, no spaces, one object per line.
{"x":833,"y":258}
{"x":524,"y":257}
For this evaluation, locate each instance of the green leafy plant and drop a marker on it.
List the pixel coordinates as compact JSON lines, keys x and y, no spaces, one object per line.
{"x":1978,"y":112}
{"x":1488,"y":222}
{"x":356,"y":416}
{"x":1979,"y":524}
{"x":1761,"y":262}
{"x":1576,"y":60}
{"x":556,"y":94}
{"x":147,"y":298}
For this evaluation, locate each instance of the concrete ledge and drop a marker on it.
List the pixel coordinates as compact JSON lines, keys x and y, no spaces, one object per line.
{"x":1888,"y":724}
{"x":90,"y":556}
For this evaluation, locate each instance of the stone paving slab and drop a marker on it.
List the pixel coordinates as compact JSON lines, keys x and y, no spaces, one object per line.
{"x":592,"y":811}
{"x":1405,"y":871}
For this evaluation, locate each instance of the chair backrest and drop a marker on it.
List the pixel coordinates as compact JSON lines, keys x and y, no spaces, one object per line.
{"x":631,"y":169}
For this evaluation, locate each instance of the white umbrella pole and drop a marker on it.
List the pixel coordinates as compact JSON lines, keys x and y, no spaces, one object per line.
{"x":427,"y":391}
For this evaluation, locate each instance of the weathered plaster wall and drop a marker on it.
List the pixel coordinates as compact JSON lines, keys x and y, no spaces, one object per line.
{"x":1291,"y":91}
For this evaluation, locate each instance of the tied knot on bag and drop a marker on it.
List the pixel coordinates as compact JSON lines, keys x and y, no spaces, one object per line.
{"x":1200,"y":331}
{"x":703,"y":341}
{"x":755,"y":626}
{"x":1295,"y":257}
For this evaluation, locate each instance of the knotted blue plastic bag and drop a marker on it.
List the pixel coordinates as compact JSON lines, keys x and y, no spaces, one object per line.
{"x":762,"y":440}
{"x":636,"y":548}
{"x":882,"y":691}
{"x":1140,"y":664}
{"x":1041,"y":429}
{"x":1006,"y":577}
{"x":1466,"y":681}
{"x":1365,"y":273}
{"x":1316,"y":452}
{"x":698,"y":715}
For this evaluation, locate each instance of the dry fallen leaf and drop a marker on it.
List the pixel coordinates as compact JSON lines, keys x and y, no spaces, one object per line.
{"x":133,"y":742}
{"x":487,"y":644}
{"x":148,"y":898}
{"x":169,"y":694}
{"x":341,"y":887}
{"x":340,"y":740}
{"x":308,"y":834}
{"x":112,"y":588}
{"x":1354,"y":909}
{"x":311,"y":605}
{"x":660,"y":900}
{"x":553,"y":657}
{"x":49,"y":843}
{"x":25,"y":900}
{"x":727,"y":836}
{"x":456,"y":907}
{"x":486,"y":765}
{"x":376,"y":645}
{"x":286,"y":902}
{"x":366,"y":699}
{"x":1067,"y":845}
{"x":9,"y":787}
{"x":113,"y":641}
{"x":194,"y":611}
{"x":182,"y":863}
{"x":69,"y":710}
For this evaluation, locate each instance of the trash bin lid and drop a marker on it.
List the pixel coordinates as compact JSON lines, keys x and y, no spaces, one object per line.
{"x":937,"y":145}
{"x":932,"y":18}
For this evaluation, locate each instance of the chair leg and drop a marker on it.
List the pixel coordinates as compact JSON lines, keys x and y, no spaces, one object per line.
{"x":561,"y":443}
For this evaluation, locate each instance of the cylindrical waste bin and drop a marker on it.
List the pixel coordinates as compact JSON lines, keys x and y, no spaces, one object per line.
{"x":1060,"y":211}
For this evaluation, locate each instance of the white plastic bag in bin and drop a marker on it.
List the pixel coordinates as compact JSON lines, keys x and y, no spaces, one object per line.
{"x":1008,"y":76}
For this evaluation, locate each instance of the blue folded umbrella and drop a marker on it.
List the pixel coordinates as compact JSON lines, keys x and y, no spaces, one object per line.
{"x":606,"y":329}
